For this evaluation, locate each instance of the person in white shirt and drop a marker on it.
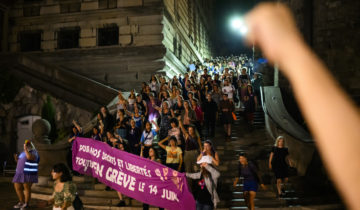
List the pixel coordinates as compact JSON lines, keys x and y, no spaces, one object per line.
{"x":228,"y":89}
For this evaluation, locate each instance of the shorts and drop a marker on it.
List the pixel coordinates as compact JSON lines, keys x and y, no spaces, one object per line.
{"x":250,"y":186}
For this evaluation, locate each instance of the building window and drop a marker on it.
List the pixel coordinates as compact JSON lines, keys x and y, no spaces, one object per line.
{"x":2,"y":28}
{"x":180,"y":50}
{"x":107,"y":4}
{"x":68,"y":38}
{"x":30,"y":41}
{"x":68,"y":8}
{"x":175,"y":45}
{"x":31,"y":11}
{"x":108,"y":36}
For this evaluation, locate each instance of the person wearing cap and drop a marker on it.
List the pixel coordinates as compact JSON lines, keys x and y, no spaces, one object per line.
{"x":206,"y":182}
{"x":26,"y":173}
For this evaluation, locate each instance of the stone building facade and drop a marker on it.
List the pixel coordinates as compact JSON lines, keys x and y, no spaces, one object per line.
{"x":82,"y":51}
{"x":107,"y":39}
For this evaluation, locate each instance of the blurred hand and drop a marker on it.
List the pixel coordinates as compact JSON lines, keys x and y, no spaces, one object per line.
{"x":272,"y":27}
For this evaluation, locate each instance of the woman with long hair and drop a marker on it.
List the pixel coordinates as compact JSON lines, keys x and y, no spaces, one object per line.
{"x":192,"y":149}
{"x":251,"y":103}
{"x":279,"y":163}
{"x":26,"y":173}
{"x":248,"y":171}
{"x":209,"y":150}
{"x":188,"y":116}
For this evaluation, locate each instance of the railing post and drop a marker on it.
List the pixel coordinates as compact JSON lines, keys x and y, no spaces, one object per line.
{"x":276,"y":75}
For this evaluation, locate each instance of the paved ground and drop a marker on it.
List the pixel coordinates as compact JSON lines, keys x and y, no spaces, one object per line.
{"x":8,"y":196}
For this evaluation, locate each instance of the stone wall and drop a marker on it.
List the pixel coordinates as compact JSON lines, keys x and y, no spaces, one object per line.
{"x":332,"y":28}
{"x":29,"y":101}
{"x":138,"y":21}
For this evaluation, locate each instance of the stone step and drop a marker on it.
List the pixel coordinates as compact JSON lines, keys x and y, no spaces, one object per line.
{"x":259,"y":194}
{"x":88,"y":193}
{"x":260,"y":202}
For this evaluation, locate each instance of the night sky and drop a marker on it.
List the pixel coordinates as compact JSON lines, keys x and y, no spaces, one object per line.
{"x":226,"y":40}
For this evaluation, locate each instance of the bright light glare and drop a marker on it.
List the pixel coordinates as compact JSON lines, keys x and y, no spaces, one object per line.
{"x":239,"y":26}
{"x":236,"y":23}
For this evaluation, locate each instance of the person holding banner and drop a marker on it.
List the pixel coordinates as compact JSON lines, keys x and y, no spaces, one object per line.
{"x":147,"y":138}
{"x":206,"y":183}
{"x":173,"y":153}
{"x":152,"y":156}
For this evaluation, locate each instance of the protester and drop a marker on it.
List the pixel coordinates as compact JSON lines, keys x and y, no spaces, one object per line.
{"x":209,"y":150}
{"x":96,"y":134}
{"x":165,"y":116}
{"x":227,"y":108}
{"x":174,"y":158}
{"x":248,"y":171}
{"x":188,"y":116}
{"x":106,"y":119}
{"x":251,"y":103}
{"x":26,"y":174}
{"x":76,"y":131}
{"x":147,"y":138}
{"x":176,"y":132}
{"x":64,"y":191}
{"x":279,"y":162}
{"x":206,"y":182}
{"x":256,"y":83}
{"x":121,"y":124}
{"x":153,"y":157}
{"x":133,"y":137}
{"x":210,"y":111}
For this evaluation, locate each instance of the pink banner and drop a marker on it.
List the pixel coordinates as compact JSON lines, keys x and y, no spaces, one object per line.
{"x":136,"y":177}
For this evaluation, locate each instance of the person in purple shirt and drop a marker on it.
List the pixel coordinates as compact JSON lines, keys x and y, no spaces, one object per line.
{"x":249,"y":172}
{"x":152,"y":105}
{"x":26,"y":174}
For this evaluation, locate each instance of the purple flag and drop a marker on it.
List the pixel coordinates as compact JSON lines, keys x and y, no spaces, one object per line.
{"x":139,"y":178}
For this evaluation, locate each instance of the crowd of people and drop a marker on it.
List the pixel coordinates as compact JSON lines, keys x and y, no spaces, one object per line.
{"x":180,"y":115}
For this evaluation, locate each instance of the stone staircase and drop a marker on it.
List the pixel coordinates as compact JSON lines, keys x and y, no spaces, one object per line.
{"x":256,"y":143}
{"x":93,"y":194}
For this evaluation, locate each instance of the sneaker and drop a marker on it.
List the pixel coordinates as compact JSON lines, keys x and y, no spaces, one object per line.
{"x":25,"y":206}
{"x":121,"y":203}
{"x":18,"y":205}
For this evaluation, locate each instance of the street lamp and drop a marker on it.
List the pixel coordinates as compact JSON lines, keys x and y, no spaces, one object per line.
{"x":239,"y":26}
